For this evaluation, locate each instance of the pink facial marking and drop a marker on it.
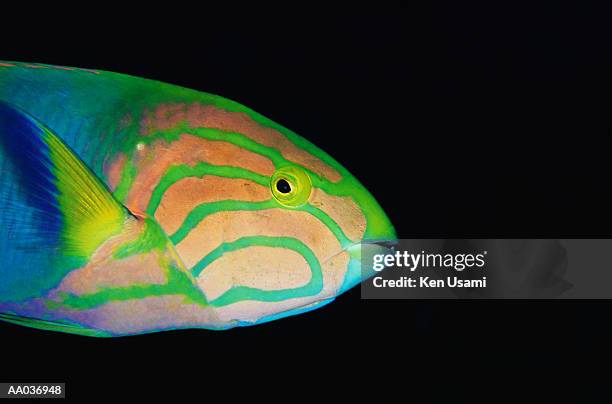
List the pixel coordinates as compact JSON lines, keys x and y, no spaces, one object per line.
{"x":168,"y":116}
{"x":165,"y":116}
{"x":154,"y":160}
{"x":113,"y":171}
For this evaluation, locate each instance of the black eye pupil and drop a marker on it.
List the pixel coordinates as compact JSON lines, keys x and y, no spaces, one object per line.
{"x":283,"y":186}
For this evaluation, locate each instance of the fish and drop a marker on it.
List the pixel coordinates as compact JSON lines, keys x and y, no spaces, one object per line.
{"x":131,"y":206}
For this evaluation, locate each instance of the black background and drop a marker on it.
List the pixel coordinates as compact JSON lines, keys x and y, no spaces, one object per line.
{"x":463,"y":121}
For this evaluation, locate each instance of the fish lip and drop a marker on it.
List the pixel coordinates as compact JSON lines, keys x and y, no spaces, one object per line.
{"x":389,"y":244}
{"x":386,"y":243}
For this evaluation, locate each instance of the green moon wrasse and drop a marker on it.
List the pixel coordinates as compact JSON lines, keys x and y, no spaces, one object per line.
{"x":131,"y":206}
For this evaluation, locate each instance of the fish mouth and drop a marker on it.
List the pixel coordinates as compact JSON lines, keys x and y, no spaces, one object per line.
{"x":360,"y":253}
{"x":386,"y":244}
{"x":383,"y":244}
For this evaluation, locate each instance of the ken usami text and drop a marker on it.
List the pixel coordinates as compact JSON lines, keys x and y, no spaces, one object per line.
{"x":404,"y":260}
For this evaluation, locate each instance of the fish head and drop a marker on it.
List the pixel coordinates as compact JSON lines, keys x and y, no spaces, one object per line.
{"x":296,"y":248}
{"x":349,"y":218}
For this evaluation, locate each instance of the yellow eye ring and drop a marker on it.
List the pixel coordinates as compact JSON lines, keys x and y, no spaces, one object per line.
{"x":291,"y":186}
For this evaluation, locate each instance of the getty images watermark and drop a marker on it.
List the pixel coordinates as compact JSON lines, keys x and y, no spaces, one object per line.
{"x":450,"y":263}
{"x":487,"y":268}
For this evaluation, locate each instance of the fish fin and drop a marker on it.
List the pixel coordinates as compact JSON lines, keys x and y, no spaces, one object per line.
{"x":61,"y":326}
{"x":73,"y":209}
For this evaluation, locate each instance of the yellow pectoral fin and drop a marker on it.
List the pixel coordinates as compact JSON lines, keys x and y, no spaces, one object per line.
{"x":72,"y":207}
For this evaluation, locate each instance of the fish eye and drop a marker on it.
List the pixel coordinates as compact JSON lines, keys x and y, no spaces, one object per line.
{"x":291,"y":186}
{"x":283,"y":186}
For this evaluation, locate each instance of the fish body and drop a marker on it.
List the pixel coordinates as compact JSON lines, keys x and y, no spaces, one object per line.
{"x":132,"y":206}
